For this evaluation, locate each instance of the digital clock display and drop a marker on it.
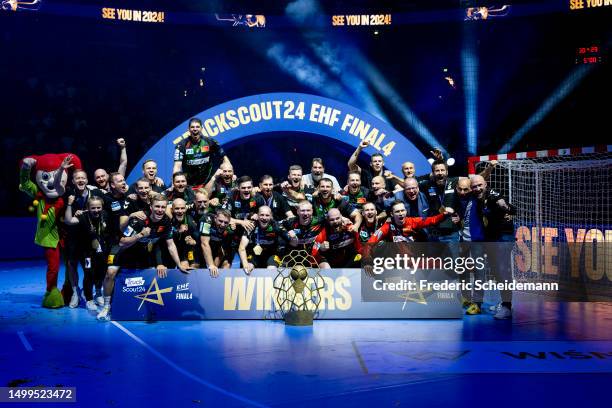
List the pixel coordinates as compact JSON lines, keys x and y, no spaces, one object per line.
{"x":588,"y":55}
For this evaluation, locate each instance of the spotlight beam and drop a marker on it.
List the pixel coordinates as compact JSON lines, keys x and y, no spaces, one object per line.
{"x":382,"y":86}
{"x":469,"y":65}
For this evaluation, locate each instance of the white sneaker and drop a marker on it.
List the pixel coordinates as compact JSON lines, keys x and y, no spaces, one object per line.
{"x":99,"y":300}
{"x":104,"y":314}
{"x":494,"y":308}
{"x":74,"y":300}
{"x":503,"y":313}
{"x":91,"y":306}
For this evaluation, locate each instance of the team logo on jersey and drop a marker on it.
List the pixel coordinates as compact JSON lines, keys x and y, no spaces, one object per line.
{"x":237,"y":204}
{"x":161,"y":228}
{"x":252,"y":204}
{"x":189,"y":151}
{"x":361,"y":200}
{"x":204,"y":149}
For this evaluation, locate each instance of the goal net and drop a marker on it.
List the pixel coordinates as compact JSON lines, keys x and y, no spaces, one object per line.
{"x":562,"y":221}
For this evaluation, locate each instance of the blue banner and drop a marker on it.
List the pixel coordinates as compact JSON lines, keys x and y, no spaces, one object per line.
{"x":289,"y":112}
{"x":141,"y":295}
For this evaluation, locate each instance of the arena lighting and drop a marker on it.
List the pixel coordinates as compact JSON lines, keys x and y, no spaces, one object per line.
{"x":449,"y":162}
{"x":469,"y":65}
{"x":304,"y":70}
{"x":557,"y":96}
{"x":15,"y":5}
{"x":334,"y":57}
{"x":312,"y":75}
{"x":383,"y":87}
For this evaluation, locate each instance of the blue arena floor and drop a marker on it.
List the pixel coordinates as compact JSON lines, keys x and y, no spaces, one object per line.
{"x":550,"y":354}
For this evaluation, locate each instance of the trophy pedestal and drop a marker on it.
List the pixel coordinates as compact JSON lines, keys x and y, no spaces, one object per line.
{"x":299,"y":318}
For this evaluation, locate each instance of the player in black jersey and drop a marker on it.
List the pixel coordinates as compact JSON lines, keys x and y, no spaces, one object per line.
{"x":193,"y":155}
{"x":337,"y":246}
{"x":370,"y":222}
{"x":303,"y":229}
{"x":375,"y":168}
{"x":273,"y":199}
{"x":115,"y":205}
{"x":216,"y":239}
{"x":149,"y":173}
{"x":293,"y":189}
{"x":74,"y":247}
{"x":262,"y":246}
{"x":91,"y":229}
{"x":200,"y":215}
{"x":139,"y":248}
{"x":355,"y":193}
{"x":325,"y":200}
{"x":221,"y":187}
{"x":243,"y":204}
{"x":179,"y":189}
{"x":140,"y":207}
{"x":183,"y":233}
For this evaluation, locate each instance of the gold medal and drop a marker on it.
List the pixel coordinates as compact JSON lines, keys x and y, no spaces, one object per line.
{"x":257,"y":250}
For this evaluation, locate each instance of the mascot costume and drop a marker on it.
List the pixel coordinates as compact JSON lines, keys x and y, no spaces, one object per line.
{"x":44,"y":179}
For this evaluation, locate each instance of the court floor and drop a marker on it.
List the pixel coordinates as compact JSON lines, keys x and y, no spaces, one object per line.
{"x":550,"y":354}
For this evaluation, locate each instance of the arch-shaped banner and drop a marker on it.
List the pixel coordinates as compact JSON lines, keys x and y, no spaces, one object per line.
{"x":290,"y":112}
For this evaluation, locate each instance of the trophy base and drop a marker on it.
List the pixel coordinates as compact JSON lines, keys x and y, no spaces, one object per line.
{"x":299,"y":318}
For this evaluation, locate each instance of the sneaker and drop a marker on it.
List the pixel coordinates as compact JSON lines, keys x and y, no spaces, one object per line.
{"x":473,"y":309}
{"x":91,"y":306}
{"x":503,"y":313}
{"x":74,"y":300}
{"x":494,"y":308}
{"x":99,"y":300}
{"x":104,"y":314}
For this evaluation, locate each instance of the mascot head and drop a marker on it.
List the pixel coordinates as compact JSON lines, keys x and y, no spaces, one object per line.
{"x":45,"y":171}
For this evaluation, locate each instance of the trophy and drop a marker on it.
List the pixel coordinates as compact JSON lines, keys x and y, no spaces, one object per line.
{"x":298,"y":284}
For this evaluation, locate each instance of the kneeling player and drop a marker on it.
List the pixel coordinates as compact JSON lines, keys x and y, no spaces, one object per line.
{"x":261,"y":247}
{"x":216,"y":239}
{"x":139,"y":248}
{"x":337,"y":246}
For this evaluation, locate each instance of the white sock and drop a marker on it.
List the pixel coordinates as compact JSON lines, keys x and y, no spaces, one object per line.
{"x":107,"y":301}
